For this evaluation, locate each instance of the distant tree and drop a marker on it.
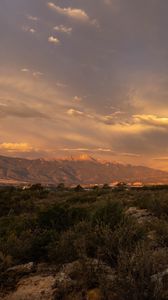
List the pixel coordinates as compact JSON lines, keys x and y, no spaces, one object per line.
{"x":78,"y":188}
{"x":96,"y":187}
{"x":106,"y":186}
{"x":36,"y":187}
{"x":121,"y":186}
{"x":61,"y":186}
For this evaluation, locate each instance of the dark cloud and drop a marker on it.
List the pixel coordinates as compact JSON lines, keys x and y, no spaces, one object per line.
{"x":148,"y":142}
{"x":19,"y":110}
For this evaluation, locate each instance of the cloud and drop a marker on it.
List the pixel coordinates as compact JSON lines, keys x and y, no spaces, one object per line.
{"x":129,"y":154}
{"x":78,"y":113}
{"x":87,"y":149}
{"x":63,"y":29}
{"x":32,"y":18}
{"x":74,"y":13}
{"x":25,"y":70}
{"x":77,"y":99}
{"x":122,"y":65}
{"x":151,"y":120}
{"x":37,"y":74}
{"x":33,"y":73}
{"x":161,"y":158}
{"x":74,"y":112}
{"x":61,"y":84}
{"x":117,"y":118}
{"x":32,"y":30}
{"x":20,"y":110}
{"x":16,"y":147}
{"x":29,"y":29}
{"x":100,"y":150}
{"x":17,"y":89}
{"x":53,"y":40}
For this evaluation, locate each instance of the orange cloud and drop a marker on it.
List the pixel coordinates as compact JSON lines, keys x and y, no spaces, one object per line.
{"x":152,"y":120}
{"x":53,"y":40}
{"x":71,"y":12}
{"x":74,"y":13}
{"x":19,"y":147}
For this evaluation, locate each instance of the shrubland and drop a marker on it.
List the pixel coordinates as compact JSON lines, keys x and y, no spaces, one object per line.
{"x":62,"y":226}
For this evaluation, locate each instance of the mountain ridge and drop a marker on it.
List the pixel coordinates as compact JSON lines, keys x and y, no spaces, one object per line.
{"x":75,"y":171}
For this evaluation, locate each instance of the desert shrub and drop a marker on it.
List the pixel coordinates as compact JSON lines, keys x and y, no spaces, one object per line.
{"x":96,"y":241}
{"x":64,"y":226}
{"x":77,"y":198}
{"x":60,"y":217}
{"x":89,"y":239}
{"x":5,"y":261}
{"x":135,"y":271}
{"x":75,"y":243}
{"x":124,"y":238}
{"x":16,"y":225}
{"x":160,"y":228}
{"x":63,"y":250}
{"x":129,"y":233}
{"x":77,"y":214}
{"x":14,"y":202}
{"x":82,"y":240}
{"x":82,"y":197}
{"x":19,"y":247}
{"x":154,"y":201}
{"x":39,"y":244}
{"x":26,"y":247}
{"x":108,"y":213}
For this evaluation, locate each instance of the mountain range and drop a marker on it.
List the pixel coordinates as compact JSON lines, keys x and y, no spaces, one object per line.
{"x":84,"y":170}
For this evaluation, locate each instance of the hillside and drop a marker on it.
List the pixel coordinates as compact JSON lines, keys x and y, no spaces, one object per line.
{"x":74,"y":171}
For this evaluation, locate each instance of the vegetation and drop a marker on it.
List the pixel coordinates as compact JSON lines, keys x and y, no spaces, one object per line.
{"x":61,"y":226}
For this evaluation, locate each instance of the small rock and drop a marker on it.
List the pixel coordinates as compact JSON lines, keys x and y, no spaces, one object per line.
{"x":94,"y":294}
{"x":33,"y":288}
{"x":22,"y":269}
{"x":141,"y":215}
{"x":70,"y":275}
{"x":159,"y":276}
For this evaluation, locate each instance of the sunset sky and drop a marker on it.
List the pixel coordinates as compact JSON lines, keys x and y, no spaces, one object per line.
{"x":85,"y":76}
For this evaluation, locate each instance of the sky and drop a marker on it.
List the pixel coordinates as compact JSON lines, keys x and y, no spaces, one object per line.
{"x":85,"y":77}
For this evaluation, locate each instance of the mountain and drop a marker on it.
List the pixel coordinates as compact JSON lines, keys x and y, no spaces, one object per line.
{"x":83,"y":170}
